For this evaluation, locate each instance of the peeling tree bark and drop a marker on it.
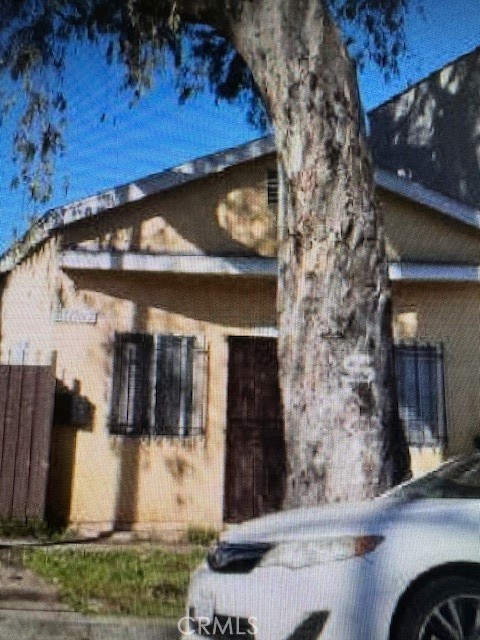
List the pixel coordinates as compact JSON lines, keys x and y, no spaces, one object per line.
{"x":344,"y":440}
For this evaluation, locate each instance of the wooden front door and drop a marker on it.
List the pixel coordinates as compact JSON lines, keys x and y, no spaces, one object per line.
{"x":255,"y":455}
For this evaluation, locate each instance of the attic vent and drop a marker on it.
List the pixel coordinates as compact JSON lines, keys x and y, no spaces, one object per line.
{"x":272,"y":186}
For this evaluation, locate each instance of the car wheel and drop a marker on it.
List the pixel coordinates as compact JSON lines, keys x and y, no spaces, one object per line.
{"x":446,"y":609}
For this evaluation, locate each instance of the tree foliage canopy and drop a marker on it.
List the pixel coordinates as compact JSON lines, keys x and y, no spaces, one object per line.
{"x":145,"y":36}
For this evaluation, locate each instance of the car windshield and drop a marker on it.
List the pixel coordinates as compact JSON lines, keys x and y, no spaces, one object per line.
{"x":458,"y":478}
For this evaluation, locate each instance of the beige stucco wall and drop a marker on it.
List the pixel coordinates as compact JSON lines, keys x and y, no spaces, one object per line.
{"x":28,"y":301}
{"x":161,"y":482}
{"x":158,"y":483}
{"x":415,"y":233}
{"x":223,"y":214}
{"x":449,"y":314}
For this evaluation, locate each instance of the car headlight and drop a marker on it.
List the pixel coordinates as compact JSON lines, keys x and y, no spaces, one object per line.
{"x":297,"y":555}
{"x":230,"y":557}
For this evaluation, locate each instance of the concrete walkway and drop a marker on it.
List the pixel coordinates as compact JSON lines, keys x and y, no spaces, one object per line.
{"x":17,"y":624}
{"x":30,"y":609}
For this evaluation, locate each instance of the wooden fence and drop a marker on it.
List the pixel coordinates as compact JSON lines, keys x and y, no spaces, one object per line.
{"x":27,"y":395}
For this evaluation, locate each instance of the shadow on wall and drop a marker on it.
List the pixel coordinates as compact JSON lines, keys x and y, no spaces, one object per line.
{"x":126,"y":505}
{"x":72,"y":411}
{"x":129,"y":450}
{"x":431,"y":133}
{"x":201,"y":215}
{"x":223,"y":301}
{"x":72,"y":408}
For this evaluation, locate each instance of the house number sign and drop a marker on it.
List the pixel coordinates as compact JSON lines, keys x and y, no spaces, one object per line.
{"x":78,"y":316}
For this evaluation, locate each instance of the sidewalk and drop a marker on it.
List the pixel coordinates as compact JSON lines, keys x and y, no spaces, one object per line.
{"x":17,"y":624}
{"x":30,"y":609}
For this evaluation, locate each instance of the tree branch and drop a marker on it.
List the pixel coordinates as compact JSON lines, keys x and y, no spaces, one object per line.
{"x":217,"y":14}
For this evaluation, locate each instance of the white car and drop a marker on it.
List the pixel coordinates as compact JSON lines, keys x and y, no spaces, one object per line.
{"x":404,"y":566}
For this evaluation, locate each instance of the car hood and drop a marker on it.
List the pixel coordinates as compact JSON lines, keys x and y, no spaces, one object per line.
{"x":372,"y":517}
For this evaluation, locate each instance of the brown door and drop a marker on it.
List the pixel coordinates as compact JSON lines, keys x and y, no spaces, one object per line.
{"x":255,"y":456}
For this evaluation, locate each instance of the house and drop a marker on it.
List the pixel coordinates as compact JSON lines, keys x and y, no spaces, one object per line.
{"x":152,"y":295}
{"x":158,"y":300}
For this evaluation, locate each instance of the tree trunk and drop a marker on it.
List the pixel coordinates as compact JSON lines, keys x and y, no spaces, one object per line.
{"x":343,"y":435}
{"x":344,"y":439}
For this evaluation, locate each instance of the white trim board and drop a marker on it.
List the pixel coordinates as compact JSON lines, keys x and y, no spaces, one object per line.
{"x":433,"y":272}
{"x":243,"y":266}
{"x":179,"y":264}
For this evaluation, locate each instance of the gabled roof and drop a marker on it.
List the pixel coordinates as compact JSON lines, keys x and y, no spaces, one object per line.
{"x":56,"y":219}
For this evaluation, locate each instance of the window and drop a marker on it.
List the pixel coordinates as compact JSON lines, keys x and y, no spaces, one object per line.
{"x":272,"y":187}
{"x":174,"y":389}
{"x":131,"y":384}
{"x":421,"y":396}
{"x":157,"y":385}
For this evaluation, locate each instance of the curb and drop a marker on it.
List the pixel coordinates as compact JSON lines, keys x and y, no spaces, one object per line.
{"x":62,"y":625}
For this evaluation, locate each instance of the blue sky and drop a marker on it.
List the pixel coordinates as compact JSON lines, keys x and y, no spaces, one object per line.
{"x":158,"y":133}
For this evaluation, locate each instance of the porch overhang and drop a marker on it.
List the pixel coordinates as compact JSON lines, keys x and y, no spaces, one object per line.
{"x":249,"y":266}
{"x":433,"y":272}
{"x":238,"y":266}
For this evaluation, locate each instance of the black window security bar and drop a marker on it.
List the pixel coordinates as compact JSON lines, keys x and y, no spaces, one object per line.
{"x":131,"y":384}
{"x":174,"y":385}
{"x":421,"y":393}
{"x":158,"y":386}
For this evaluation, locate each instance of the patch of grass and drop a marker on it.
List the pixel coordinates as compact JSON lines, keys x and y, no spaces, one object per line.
{"x":202,"y":536}
{"x":31,"y":528}
{"x":138,"y":582}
